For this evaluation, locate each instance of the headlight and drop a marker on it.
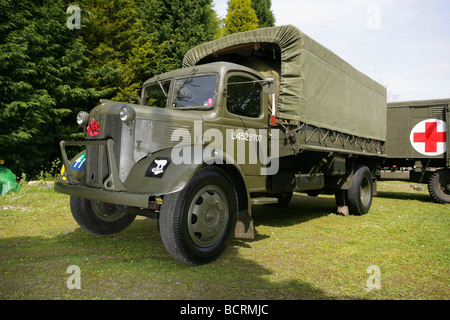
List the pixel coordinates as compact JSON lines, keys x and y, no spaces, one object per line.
{"x":82,"y":118}
{"x":127,"y":114}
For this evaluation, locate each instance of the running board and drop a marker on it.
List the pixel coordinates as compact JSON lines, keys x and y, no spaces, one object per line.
{"x":263,"y":200}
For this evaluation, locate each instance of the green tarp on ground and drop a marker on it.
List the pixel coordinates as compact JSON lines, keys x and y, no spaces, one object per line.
{"x":316,"y":86}
{"x":7,"y":181}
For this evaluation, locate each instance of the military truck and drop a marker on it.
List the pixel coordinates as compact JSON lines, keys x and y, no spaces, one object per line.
{"x":417,"y":145}
{"x":248,"y":119}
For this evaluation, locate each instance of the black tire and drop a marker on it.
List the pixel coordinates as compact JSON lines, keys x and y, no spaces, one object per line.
{"x":100,"y":218}
{"x":439,"y":186}
{"x":197,"y":223}
{"x":360,"y":193}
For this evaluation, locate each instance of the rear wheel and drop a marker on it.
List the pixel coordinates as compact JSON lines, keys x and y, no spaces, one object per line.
{"x":197,"y":223}
{"x":360,"y":193}
{"x":439,"y":186}
{"x":98,"y":217}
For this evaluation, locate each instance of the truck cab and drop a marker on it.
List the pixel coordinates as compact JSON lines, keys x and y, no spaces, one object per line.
{"x":206,"y":121}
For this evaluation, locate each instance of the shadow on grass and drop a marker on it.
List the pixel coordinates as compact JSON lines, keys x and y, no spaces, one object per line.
{"x":302,"y":208}
{"x":405,"y":196}
{"x":133,"y":264}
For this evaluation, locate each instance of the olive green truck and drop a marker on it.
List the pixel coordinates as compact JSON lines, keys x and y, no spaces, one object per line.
{"x":417,"y":145}
{"x":249,"y":119}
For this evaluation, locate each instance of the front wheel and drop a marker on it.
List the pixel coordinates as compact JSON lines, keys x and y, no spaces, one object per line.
{"x":197,"y":223}
{"x":98,"y":217}
{"x":360,"y":193}
{"x":439,"y":186}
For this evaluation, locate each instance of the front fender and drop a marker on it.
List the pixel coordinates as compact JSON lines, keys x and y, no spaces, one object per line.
{"x":157,"y":174}
{"x":160,"y":174}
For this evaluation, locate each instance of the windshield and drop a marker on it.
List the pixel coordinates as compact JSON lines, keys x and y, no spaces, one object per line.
{"x":156,"y":94}
{"x":196,"y":91}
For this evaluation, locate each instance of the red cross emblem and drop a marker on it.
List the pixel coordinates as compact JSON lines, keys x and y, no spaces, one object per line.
{"x":428,"y":137}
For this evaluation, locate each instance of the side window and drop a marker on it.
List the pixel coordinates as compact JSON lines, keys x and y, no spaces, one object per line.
{"x":156,"y":94}
{"x":244,"y":96}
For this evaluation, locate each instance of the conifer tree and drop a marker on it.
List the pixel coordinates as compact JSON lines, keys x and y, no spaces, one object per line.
{"x":178,"y":26}
{"x":240,"y":17}
{"x":114,"y":36}
{"x":264,"y":13}
{"x":41,"y":82}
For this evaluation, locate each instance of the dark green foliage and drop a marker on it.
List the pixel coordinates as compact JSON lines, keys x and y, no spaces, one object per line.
{"x":264,"y":13}
{"x":178,"y":25}
{"x":121,"y":55}
{"x":48,"y":72}
{"x":41,"y":71}
{"x":240,"y":17}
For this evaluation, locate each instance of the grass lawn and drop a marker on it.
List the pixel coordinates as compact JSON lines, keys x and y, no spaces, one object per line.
{"x":304,"y":251}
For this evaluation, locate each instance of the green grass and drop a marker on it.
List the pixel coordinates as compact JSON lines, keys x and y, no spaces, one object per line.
{"x":304,"y":251}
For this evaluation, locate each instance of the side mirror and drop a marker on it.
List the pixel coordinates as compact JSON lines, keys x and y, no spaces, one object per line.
{"x":269,"y":85}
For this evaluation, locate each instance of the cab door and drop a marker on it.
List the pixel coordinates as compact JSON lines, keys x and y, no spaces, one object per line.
{"x":245,"y":125}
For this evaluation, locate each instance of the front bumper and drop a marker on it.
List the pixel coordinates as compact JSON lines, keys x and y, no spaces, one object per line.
{"x":132,"y":199}
{"x":112,"y":182}
{"x":111,"y":190}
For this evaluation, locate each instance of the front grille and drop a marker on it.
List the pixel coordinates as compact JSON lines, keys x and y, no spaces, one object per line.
{"x":96,"y":156}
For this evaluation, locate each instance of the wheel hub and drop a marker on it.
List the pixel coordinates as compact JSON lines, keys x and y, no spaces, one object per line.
{"x":207,"y":216}
{"x":365,"y":192}
{"x":447,"y":187}
{"x":107,"y":212}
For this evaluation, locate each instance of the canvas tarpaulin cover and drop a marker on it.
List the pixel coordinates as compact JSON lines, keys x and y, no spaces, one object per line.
{"x":315,"y":85}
